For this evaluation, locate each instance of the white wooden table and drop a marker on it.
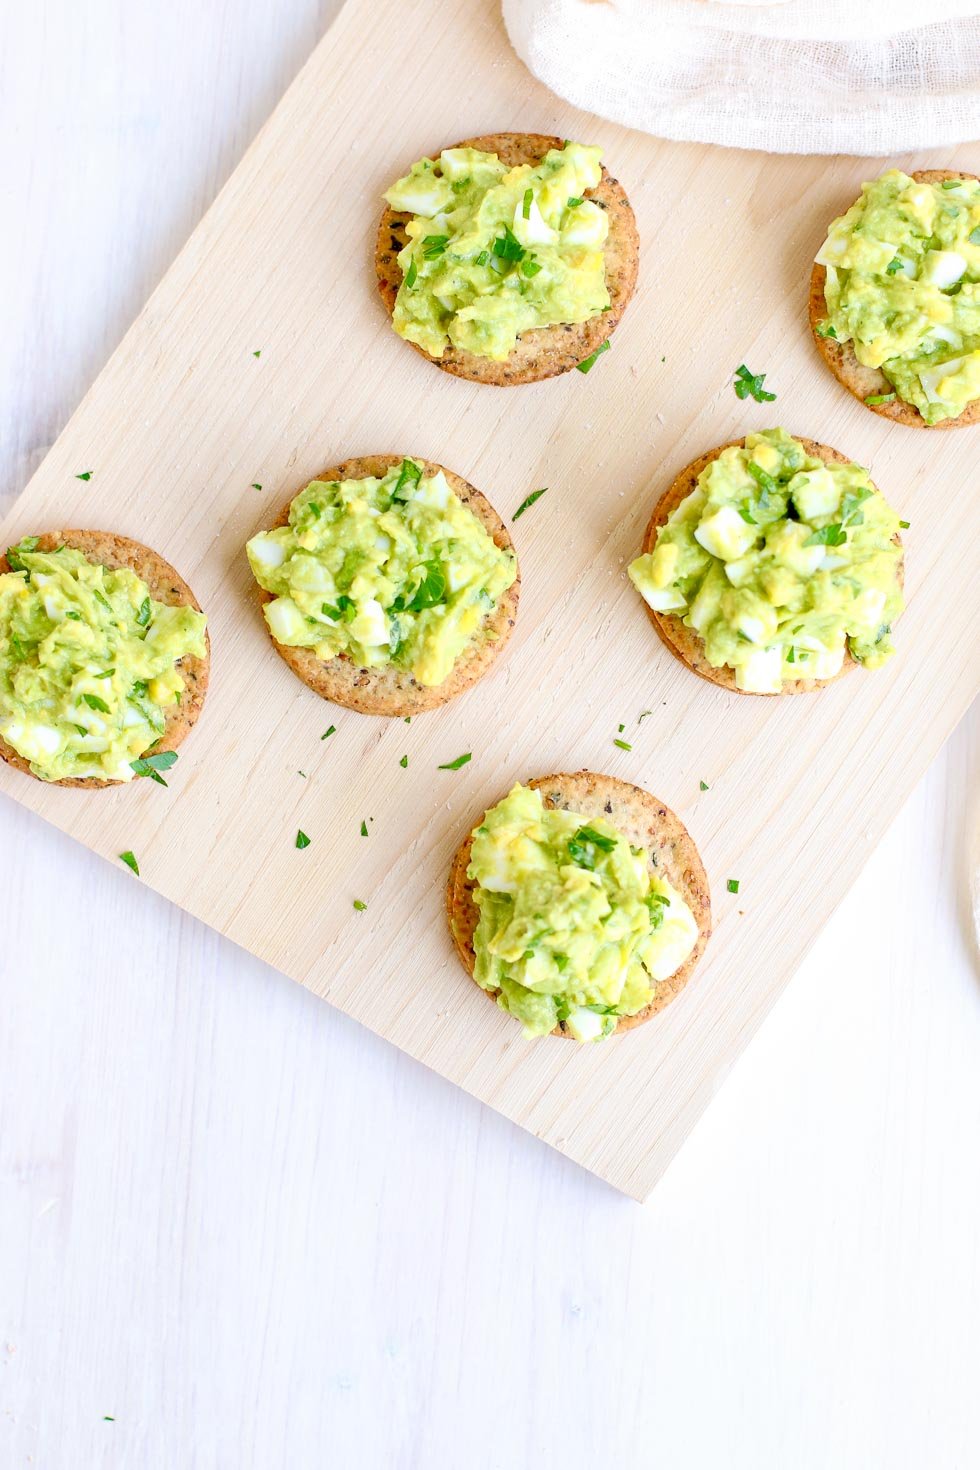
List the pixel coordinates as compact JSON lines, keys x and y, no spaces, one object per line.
{"x":236,"y":1230}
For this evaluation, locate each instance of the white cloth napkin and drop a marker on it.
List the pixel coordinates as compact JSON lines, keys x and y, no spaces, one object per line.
{"x":786,"y":76}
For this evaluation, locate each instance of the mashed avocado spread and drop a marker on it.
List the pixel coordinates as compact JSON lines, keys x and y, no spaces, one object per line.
{"x":87,"y":663}
{"x":903,"y":287}
{"x":495,"y":251}
{"x":780,"y":563}
{"x":573,"y":927}
{"x":391,"y":571}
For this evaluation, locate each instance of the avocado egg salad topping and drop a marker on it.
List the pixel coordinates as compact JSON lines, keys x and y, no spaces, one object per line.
{"x":88,"y":663}
{"x":573,"y":926}
{"x":903,"y":287}
{"x":495,"y":251}
{"x":392,"y":571}
{"x":780,"y":563}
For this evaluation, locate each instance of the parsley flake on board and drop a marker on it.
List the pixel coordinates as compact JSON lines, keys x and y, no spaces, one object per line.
{"x":880,"y":398}
{"x":331,"y":731}
{"x":130,"y":861}
{"x":748,"y":385}
{"x":623,"y":744}
{"x":302,"y":840}
{"x":403,"y":762}
{"x":705,"y":786}
{"x":529,"y":500}
{"x":360,"y":905}
{"x":85,"y":475}
{"x":455,"y":765}
{"x":732,"y":885}
{"x":364,"y":831}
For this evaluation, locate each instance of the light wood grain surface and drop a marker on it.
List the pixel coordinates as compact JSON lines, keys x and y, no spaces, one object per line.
{"x":264,"y":354}
{"x":256,"y":1235}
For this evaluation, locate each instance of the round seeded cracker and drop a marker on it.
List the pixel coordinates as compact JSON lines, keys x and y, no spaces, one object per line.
{"x":645,"y":822}
{"x":867,"y":382}
{"x":546,"y":351}
{"x":105,"y":548}
{"x":387,"y":690}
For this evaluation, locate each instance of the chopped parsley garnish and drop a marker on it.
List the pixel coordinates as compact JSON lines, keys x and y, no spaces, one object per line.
{"x":528,"y":200}
{"x":893,"y":266}
{"x":143,"y":616}
{"x":529,"y":501}
{"x":364,"y":831}
{"x":507,"y":246}
{"x":574,"y":202}
{"x":704,"y":786}
{"x":880,"y":398}
{"x":332,"y":731}
{"x":152,"y":765}
{"x":360,"y":905}
{"x":587,"y":363}
{"x":403,"y":762}
{"x":621,"y":729}
{"x":412,"y":275}
{"x":94,"y":702}
{"x":623,"y":744}
{"x":748,"y":384}
{"x":431,"y":591}
{"x":25,"y":544}
{"x":130,"y":861}
{"x":746,"y":514}
{"x":434,"y":245}
{"x":905,"y":525}
{"x":732,"y":885}
{"x":530,"y":266}
{"x":459,"y":761}
{"x":482,"y":258}
{"x":952,"y":183}
{"x":825,"y":329}
{"x":302,"y":840}
{"x":586,"y":845}
{"x":256,"y":485}
{"x":408,"y":476}
{"x":833,"y":535}
{"x":761,"y":477}
{"x":85,"y":475}
{"x":791,"y":656}
{"x":257,"y":354}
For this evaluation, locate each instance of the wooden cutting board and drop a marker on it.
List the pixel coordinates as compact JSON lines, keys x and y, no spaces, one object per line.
{"x":265,"y":356}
